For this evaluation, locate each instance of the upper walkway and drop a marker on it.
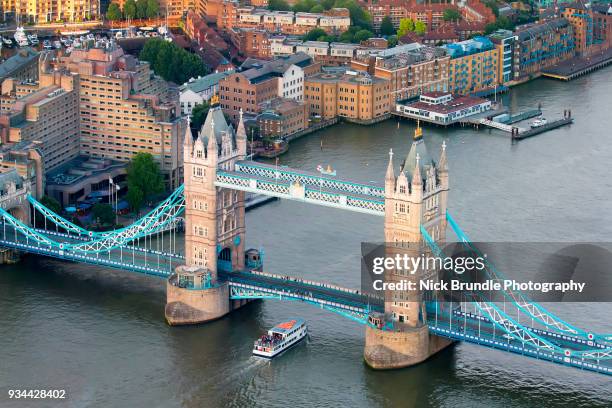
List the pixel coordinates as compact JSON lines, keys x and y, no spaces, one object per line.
{"x":298,"y":185}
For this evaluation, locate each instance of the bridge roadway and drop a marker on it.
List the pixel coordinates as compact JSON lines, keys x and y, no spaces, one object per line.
{"x":469,"y":327}
{"x":253,"y":284}
{"x":478,"y":329}
{"x":161,"y":264}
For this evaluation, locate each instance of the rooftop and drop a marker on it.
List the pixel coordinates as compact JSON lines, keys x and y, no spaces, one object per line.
{"x":79,"y":168}
{"x":456,"y":104}
{"x":22,"y":57}
{"x":201,"y":84}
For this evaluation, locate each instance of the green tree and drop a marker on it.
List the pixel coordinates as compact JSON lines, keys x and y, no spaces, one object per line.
{"x":386,"y":26}
{"x":420,"y":27}
{"x":304,"y":5}
{"x":359,"y":16}
{"x":52,"y":204}
{"x":103,"y":213}
{"x":114,"y":12}
{"x":152,"y":8}
{"x":314,"y":34}
{"x":392,"y":41}
{"x":406,"y":25}
{"x":346,"y":37}
{"x":129,"y":9}
{"x":362,"y":35}
{"x":451,"y":14}
{"x":144,"y":179}
{"x":172,"y":62}
{"x":198,"y":115}
{"x":278,"y":5}
{"x":327,"y":4}
{"x":317,"y":9}
{"x":141,"y":8}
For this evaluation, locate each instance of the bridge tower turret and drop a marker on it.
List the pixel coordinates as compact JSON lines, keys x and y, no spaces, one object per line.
{"x":417,"y":196}
{"x":214,"y":222}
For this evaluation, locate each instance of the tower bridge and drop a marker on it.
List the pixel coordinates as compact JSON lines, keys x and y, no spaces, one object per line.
{"x":211,"y":274}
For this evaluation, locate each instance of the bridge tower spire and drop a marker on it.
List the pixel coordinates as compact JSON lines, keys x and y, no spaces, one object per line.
{"x":214,"y":224}
{"x":416,"y":197}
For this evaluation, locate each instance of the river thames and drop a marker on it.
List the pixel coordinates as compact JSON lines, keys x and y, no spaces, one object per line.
{"x":101,"y":335}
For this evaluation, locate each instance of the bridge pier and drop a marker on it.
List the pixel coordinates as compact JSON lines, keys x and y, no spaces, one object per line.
{"x":189,"y":300}
{"x":385,"y":349}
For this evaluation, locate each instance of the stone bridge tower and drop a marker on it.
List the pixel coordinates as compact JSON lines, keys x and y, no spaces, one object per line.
{"x":417,"y":196}
{"x":214,"y":222}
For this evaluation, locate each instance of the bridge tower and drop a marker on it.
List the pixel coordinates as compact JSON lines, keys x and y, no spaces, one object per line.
{"x":417,"y":196}
{"x":214,"y":222}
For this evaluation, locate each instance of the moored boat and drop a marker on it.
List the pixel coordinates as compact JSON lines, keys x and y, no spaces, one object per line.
{"x":538,"y":123}
{"x":280,"y":338}
{"x":327,"y":171}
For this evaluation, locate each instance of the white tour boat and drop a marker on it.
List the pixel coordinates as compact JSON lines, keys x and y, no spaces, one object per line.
{"x":280,"y":338}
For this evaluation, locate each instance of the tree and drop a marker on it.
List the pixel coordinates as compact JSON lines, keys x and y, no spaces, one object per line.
{"x":129,"y":9}
{"x":278,"y":5}
{"x":51,"y":203}
{"x":114,"y":12}
{"x":346,"y":37}
{"x":359,"y":16}
{"x":152,"y":8}
{"x":317,"y":9}
{"x":171,"y":62}
{"x":327,"y":4}
{"x":144,"y":179}
{"x":392,"y":41}
{"x":141,"y":9}
{"x":406,"y":25}
{"x":420,"y":27}
{"x":362,"y":35}
{"x":198,"y":115}
{"x":386,"y":26}
{"x":451,"y":14}
{"x":103,"y":213}
{"x":314,"y":34}
{"x":304,"y":5}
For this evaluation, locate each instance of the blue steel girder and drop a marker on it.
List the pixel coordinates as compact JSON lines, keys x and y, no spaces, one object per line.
{"x":286,"y":190}
{"x":514,"y":328}
{"x":307,"y":178}
{"x":176,"y":198}
{"x":532,"y":309}
{"x":156,"y":220}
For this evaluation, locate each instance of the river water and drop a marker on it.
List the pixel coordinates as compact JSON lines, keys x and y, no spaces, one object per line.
{"x":100,"y":334}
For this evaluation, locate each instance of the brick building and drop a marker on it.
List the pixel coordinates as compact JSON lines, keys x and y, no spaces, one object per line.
{"x":356,"y":96}
{"x":282,"y":117}
{"x":263,"y":81}
{"x":411,"y":69}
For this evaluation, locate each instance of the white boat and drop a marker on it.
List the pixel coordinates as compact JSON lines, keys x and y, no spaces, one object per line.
{"x":538,"y":123}
{"x":327,"y":171}
{"x":33,"y":39}
{"x":47,"y":45}
{"x":74,"y":33}
{"x":57,"y":44}
{"x":20,"y":37}
{"x":280,"y":338}
{"x":7,"y":41}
